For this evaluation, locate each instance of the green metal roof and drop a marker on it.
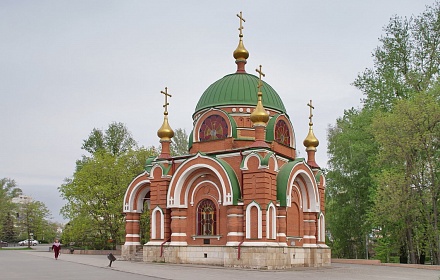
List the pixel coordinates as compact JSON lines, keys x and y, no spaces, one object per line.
{"x":239,"y":89}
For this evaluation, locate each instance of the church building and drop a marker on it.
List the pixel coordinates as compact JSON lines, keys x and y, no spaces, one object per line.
{"x":240,"y":197}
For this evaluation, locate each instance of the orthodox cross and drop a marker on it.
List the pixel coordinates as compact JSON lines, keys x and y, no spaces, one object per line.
{"x":260,"y":84}
{"x":311,"y":108}
{"x":240,"y":16}
{"x":166,"y":99}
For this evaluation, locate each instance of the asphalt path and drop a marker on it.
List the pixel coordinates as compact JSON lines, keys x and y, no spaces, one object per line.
{"x":39,"y":263}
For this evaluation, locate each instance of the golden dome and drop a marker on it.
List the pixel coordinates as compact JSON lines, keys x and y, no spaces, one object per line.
{"x":165,"y":132}
{"x":240,"y":52}
{"x":259,"y":116}
{"x":311,"y":142}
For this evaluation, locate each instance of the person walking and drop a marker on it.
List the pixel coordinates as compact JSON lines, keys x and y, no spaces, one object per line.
{"x":56,"y":248}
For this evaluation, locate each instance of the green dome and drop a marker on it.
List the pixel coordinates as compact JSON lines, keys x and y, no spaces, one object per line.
{"x":239,"y":89}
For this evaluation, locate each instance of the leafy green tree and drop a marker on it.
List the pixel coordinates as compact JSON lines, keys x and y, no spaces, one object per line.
{"x":179,"y":144}
{"x":95,"y":192}
{"x":351,"y":150}
{"x":8,"y":190}
{"x":409,"y":182}
{"x":407,"y":61}
{"x":401,"y":201}
{"x":115,"y":140}
{"x":8,"y":230}
{"x":32,"y":218}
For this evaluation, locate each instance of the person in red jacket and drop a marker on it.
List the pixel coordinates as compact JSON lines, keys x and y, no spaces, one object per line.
{"x":56,"y":248}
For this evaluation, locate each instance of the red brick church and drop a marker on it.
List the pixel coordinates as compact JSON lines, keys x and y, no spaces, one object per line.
{"x":241,"y":197}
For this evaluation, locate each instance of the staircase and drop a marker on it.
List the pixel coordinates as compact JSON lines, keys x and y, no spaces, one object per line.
{"x":139,"y":254}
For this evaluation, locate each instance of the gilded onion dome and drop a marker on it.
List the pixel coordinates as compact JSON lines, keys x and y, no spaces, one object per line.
{"x":311,"y":142}
{"x":165,"y":132}
{"x":240,"y":52}
{"x":259,"y":116}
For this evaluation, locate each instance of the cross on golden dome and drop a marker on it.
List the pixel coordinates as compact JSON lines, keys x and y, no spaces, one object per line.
{"x":240,"y":16}
{"x":260,"y":84}
{"x":311,"y":112}
{"x":166,"y":99}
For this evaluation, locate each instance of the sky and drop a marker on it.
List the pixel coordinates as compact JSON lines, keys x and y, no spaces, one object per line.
{"x":67,"y":67}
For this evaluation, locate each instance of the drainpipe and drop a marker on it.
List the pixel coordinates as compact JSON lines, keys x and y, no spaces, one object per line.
{"x":161,"y":246}
{"x":239,"y":250}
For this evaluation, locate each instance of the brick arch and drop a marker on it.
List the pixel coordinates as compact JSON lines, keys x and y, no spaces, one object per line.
{"x":251,"y":219}
{"x":135,"y":193}
{"x":299,"y":174}
{"x":271,"y":221}
{"x":268,"y":161}
{"x":191,"y":170}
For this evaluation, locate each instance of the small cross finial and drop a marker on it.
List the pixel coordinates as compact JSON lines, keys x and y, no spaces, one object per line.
{"x":166,"y":99}
{"x":311,"y":112}
{"x":260,"y":84}
{"x":240,"y":16}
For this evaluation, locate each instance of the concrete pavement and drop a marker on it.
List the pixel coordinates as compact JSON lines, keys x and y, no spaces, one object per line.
{"x":38,"y":264}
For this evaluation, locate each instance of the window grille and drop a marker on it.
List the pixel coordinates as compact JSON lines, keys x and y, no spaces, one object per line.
{"x":206,"y":218}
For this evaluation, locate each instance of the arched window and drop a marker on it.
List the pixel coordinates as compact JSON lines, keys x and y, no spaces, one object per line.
{"x":206,"y":218}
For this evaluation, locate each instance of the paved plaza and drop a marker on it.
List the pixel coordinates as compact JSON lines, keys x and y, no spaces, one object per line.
{"x":40,"y":264}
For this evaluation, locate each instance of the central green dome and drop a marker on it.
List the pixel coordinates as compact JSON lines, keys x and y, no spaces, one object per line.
{"x":239,"y":89}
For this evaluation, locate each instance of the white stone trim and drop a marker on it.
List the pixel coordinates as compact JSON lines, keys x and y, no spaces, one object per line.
{"x":198,"y":185}
{"x":310,"y":188}
{"x":130,"y":196}
{"x":178,"y":243}
{"x":271,"y":221}
{"x":264,"y":244}
{"x":153,"y":223}
{"x":178,"y":234}
{"x":156,"y":243}
{"x":179,"y":182}
{"x":234,"y":233}
{"x":132,"y":235}
{"x":131,"y":243}
{"x":248,"y":220}
{"x":321,"y":227}
{"x":235,"y":215}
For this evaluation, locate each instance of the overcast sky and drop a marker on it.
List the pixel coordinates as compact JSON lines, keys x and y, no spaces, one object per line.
{"x":67,"y":67}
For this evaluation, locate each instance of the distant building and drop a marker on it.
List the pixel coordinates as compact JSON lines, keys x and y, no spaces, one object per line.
{"x":22,"y":199}
{"x":241,"y":197}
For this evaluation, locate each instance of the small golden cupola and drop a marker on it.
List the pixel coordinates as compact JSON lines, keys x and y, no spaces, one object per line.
{"x":259,"y":116}
{"x":311,"y":142}
{"x":240,"y":53}
{"x":165,"y":132}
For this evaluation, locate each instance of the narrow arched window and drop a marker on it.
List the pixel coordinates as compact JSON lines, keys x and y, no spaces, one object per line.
{"x":206,"y":218}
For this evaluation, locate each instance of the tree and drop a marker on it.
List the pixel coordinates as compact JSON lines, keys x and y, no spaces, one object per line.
{"x":95,"y":192}
{"x":32,"y":218}
{"x":409,"y":138}
{"x":8,"y":190}
{"x":179,"y":144}
{"x":8,"y":230}
{"x":406,"y":62}
{"x":401,"y":169}
{"x":115,"y":140}
{"x":351,"y":150}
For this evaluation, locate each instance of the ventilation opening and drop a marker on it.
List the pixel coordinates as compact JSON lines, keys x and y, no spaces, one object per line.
{"x":206,"y":241}
{"x":205,"y":255}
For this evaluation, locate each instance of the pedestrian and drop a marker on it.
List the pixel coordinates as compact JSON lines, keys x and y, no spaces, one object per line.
{"x":56,"y":248}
